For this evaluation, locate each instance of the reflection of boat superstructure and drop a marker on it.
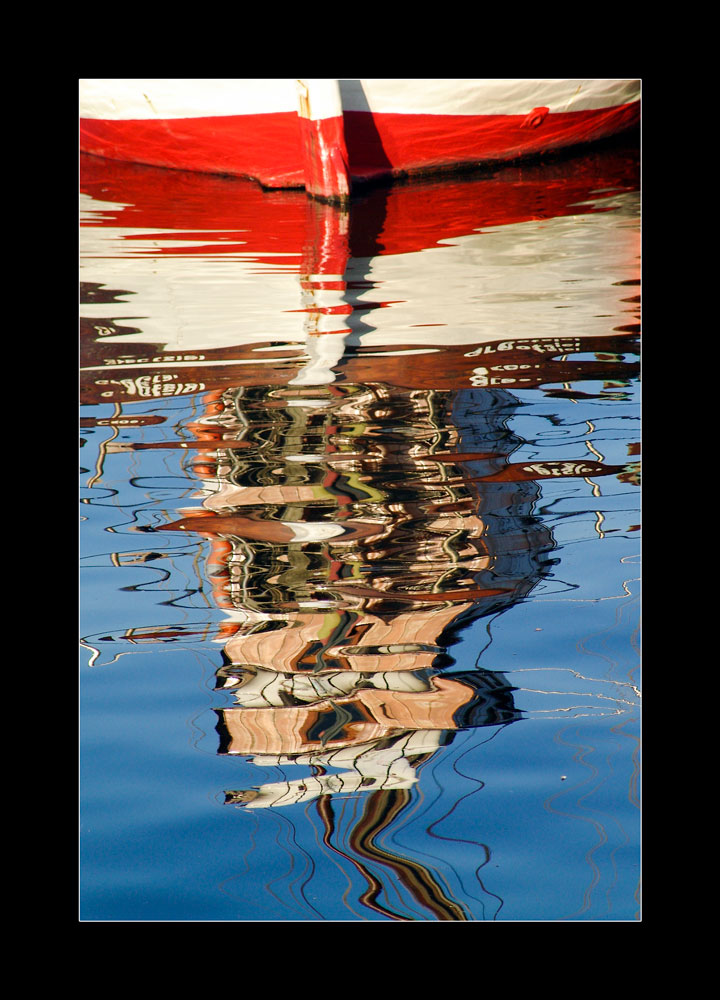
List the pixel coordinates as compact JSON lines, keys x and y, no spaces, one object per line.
{"x":350,"y":542}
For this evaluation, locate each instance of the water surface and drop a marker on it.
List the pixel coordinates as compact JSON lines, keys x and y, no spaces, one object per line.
{"x":360,"y":547}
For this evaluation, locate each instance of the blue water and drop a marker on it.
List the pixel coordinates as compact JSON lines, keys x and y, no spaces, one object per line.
{"x":527,"y":808}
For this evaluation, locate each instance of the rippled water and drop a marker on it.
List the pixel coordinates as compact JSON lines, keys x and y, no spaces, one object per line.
{"x":360,"y":547}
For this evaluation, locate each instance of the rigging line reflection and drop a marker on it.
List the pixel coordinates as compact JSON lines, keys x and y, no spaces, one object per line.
{"x":582,"y":677}
{"x":484,"y":848}
{"x":425,"y":887}
{"x":633,"y":787}
{"x":319,"y":806}
{"x":592,"y":600}
{"x":622,"y":843}
{"x":580,"y":757}
{"x":369,"y":897}
{"x":285,"y":825}
{"x":309,"y":868}
{"x":252,"y":832}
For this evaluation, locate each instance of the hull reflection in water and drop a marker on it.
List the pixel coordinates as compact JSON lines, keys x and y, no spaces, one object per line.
{"x":358,"y":499}
{"x":475,"y":282}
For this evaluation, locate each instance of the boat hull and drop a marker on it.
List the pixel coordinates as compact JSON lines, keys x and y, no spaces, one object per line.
{"x":398,"y":145}
{"x":265,"y":147}
{"x":326,"y":135}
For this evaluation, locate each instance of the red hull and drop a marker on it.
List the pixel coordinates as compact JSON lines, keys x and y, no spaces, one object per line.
{"x":265,"y":147}
{"x":397,"y":144}
{"x":271,"y":148}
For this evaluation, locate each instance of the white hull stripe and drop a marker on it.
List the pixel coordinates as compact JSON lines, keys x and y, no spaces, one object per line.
{"x":148,"y":99}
